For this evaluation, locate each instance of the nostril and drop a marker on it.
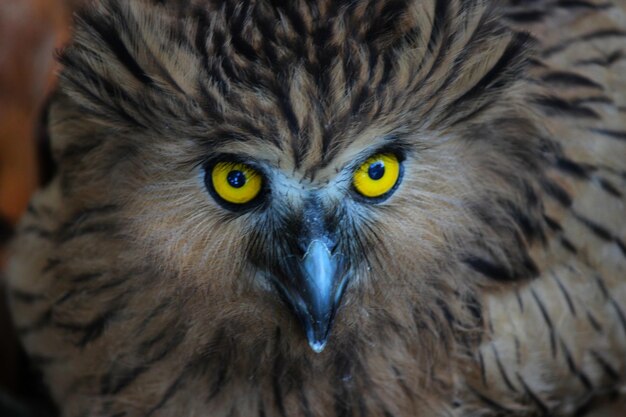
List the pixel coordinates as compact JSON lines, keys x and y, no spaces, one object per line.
{"x":302,"y":246}
{"x":330,"y":244}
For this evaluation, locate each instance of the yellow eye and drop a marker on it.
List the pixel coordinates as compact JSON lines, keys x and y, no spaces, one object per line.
{"x":377,"y":176}
{"x":235,"y":183}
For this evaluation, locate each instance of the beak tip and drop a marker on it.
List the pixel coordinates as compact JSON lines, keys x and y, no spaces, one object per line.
{"x":317,"y":345}
{"x":317,"y":333}
{"x":317,"y":340}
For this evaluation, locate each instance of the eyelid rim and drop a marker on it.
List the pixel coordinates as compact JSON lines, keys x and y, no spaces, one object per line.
{"x":209,"y":164}
{"x":400,"y":155}
{"x":235,"y":159}
{"x":398,"y":147}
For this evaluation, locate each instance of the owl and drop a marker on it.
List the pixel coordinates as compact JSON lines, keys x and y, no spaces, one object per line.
{"x":318,"y":208}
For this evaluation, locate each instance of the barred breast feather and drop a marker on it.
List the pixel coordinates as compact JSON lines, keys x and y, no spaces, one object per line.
{"x":490,"y":280}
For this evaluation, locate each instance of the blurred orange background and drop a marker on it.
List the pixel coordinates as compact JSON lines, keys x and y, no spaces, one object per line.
{"x":30,"y":32}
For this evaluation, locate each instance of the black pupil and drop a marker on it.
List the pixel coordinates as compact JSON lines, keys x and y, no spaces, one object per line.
{"x":236,"y":179}
{"x":376,"y":170}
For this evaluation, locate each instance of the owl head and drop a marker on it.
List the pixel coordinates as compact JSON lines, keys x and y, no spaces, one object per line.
{"x":262,"y":176}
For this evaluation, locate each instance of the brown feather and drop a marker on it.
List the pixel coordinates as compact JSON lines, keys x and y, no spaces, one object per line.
{"x":490,"y":283}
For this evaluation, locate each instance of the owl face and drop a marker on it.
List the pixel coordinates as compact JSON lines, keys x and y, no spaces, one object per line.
{"x":312,"y":226}
{"x":310,"y":272}
{"x":309,"y":167}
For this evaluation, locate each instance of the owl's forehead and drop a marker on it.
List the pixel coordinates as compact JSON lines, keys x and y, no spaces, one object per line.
{"x":307,"y":86}
{"x":307,"y":163}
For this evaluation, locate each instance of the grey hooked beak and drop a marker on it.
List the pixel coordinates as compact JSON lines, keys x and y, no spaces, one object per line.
{"x":311,"y":278}
{"x":319,"y":293}
{"x":313,"y":290}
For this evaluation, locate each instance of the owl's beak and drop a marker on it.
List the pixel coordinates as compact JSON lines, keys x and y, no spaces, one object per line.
{"x":312,"y":277}
{"x":314,"y":289}
{"x":320,"y":293}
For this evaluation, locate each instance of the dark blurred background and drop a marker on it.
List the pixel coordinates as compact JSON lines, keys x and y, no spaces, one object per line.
{"x":30,"y":33}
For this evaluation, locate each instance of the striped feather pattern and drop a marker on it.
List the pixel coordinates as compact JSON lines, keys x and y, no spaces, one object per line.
{"x":491,"y":283}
